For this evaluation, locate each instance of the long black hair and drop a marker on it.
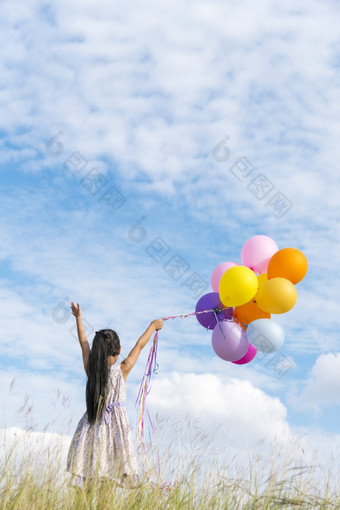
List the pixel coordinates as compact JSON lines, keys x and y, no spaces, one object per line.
{"x":105,"y":343}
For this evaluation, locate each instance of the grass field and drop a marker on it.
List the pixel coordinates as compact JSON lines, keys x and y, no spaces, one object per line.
{"x":267,"y":481}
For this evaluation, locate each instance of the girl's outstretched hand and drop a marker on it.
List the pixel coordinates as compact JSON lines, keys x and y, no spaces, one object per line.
{"x":76,"y":310}
{"x":157,"y":323}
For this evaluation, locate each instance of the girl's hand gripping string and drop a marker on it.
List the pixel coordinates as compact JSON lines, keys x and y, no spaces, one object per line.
{"x":157,"y":324}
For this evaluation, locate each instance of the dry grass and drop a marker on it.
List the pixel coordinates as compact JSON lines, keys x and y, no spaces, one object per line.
{"x":194,"y":464}
{"x":197,"y":482}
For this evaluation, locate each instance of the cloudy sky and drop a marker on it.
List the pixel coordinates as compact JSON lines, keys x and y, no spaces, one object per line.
{"x":143,"y":136}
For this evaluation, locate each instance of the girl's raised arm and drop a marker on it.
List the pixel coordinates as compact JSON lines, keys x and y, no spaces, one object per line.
{"x":130,"y":361}
{"x":84,"y":344}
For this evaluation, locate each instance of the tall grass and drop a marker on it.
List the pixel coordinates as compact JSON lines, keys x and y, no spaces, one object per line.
{"x":34,"y":479}
{"x":201,"y":471}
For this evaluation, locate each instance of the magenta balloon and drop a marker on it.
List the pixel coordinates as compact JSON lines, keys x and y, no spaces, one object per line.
{"x":229,"y":341}
{"x":208,"y":302}
{"x":218,"y":272}
{"x":257,"y":252}
{"x":249,"y":356}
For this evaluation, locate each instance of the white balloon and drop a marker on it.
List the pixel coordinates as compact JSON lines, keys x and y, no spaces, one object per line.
{"x":266,"y":335}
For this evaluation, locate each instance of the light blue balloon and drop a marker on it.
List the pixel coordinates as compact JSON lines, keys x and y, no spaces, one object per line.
{"x":266,"y":335}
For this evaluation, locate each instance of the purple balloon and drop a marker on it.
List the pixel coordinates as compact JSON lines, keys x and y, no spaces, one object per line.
{"x":229,"y":341}
{"x":249,"y":356}
{"x":208,"y":302}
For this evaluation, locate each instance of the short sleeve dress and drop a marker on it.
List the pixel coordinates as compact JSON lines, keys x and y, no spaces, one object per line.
{"x":105,"y":449}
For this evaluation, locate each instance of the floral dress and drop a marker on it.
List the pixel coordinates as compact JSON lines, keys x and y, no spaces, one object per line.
{"x":105,"y":449}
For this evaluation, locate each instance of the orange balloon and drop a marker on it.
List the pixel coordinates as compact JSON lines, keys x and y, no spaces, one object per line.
{"x":289,"y":263}
{"x":250,"y":312}
{"x":277,"y":295}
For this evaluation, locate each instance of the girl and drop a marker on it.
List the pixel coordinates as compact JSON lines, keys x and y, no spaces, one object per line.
{"x":102,"y":444}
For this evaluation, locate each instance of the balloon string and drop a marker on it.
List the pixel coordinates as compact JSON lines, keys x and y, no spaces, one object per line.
{"x":144,"y":389}
{"x":218,"y":322}
{"x":184,"y":315}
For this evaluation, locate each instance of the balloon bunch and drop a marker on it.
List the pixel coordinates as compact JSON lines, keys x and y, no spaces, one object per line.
{"x":244,"y":297}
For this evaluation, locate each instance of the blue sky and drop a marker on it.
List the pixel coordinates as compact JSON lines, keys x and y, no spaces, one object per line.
{"x":142,"y":96}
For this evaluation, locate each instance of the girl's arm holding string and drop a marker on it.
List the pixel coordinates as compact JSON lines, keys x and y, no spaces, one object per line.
{"x":84,"y":344}
{"x":130,"y":361}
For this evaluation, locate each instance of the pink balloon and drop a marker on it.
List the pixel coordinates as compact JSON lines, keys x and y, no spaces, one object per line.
{"x":229,"y":341}
{"x":249,"y":356}
{"x":257,"y":252}
{"x":218,"y":273}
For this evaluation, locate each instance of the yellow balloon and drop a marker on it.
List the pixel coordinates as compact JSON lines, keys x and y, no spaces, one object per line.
{"x":262,"y":278}
{"x":277,"y":295}
{"x":238,"y":285}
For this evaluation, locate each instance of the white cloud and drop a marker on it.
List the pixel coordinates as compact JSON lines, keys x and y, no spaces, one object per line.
{"x":248,"y":412}
{"x":232,"y":425}
{"x":157,"y":95}
{"x":43,"y":453}
{"x":323,"y":384}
